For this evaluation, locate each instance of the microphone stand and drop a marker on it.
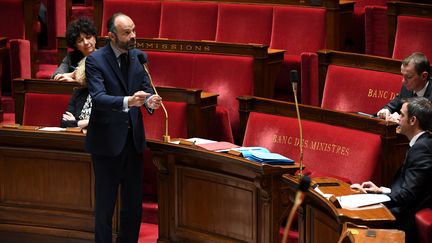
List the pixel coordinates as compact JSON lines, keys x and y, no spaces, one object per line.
{"x":294,"y":87}
{"x":166,"y":137}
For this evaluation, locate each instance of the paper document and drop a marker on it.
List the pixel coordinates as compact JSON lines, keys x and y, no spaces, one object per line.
{"x":52,"y":129}
{"x":360,"y":200}
{"x":263,"y":155}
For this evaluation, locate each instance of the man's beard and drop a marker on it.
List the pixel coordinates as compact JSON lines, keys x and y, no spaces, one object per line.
{"x":126,"y":45}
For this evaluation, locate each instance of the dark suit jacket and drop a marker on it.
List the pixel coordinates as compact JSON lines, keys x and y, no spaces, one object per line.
{"x":410,"y":190}
{"x":75,"y":106}
{"x":109,"y":124}
{"x":396,"y":104}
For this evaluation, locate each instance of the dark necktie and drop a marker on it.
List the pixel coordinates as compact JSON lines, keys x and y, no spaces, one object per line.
{"x":414,"y":94}
{"x":124,"y":66}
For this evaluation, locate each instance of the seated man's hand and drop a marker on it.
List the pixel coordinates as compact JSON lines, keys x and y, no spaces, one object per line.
{"x":358,"y":187}
{"x":369,"y":186}
{"x":154,"y":102}
{"x":383,"y":113}
{"x":393,"y":117}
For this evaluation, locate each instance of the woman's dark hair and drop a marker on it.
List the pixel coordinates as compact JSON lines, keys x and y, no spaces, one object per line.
{"x":78,"y":26}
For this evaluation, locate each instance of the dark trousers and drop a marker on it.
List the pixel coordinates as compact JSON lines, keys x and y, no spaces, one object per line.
{"x":125,"y":170}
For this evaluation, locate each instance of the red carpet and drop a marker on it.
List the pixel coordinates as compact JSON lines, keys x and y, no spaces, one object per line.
{"x":149,"y":226}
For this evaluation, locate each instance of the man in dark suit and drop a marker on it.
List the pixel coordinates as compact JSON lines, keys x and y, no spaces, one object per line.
{"x":410,"y":190}
{"x":119,"y":86}
{"x":415,"y":71}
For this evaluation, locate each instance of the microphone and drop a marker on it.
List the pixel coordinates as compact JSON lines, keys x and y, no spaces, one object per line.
{"x":142,"y":60}
{"x":294,"y":82}
{"x":303,"y":186}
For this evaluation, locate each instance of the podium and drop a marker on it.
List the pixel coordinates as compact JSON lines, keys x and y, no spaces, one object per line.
{"x":321,"y":221}
{"x":206,"y":196}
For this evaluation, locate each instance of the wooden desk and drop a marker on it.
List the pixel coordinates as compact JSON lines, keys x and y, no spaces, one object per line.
{"x":46,"y":188}
{"x":321,"y":221}
{"x":360,"y":234}
{"x":213,"y":197}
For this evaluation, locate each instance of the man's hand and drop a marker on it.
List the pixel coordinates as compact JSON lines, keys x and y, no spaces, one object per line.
{"x":383,"y":113}
{"x":394,"y":117}
{"x":154,"y":102}
{"x":138,"y":99}
{"x":367,"y":187}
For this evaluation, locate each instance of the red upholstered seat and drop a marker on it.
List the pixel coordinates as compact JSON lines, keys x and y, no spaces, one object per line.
{"x":228,"y":76}
{"x":44,"y":109}
{"x":290,"y":33}
{"x":412,"y":34}
{"x":146,"y":15}
{"x":376,"y":31}
{"x":188,"y":20}
{"x":424,"y":225}
{"x":171,"y":69}
{"x":154,"y":124}
{"x":353,"y":89}
{"x":244,"y":23}
{"x":328,"y":150}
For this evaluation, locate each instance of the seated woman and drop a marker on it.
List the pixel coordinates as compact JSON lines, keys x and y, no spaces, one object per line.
{"x":79,"y":108}
{"x":81,"y":37}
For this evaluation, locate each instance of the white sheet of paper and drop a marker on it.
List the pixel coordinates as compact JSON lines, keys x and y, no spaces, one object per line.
{"x":52,"y":129}
{"x":360,"y":200}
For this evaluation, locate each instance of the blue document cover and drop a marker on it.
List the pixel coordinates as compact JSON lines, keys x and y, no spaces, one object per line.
{"x":263,"y":155}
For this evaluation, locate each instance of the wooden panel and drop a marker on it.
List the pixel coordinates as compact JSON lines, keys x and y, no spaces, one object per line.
{"x":233,"y":217}
{"x":46,"y":188}
{"x":214,"y":197}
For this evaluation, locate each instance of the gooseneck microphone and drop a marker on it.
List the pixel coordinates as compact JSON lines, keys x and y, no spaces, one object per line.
{"x":303,"y":186}
{"x":142,"y":60}
{"x":294,"y":82}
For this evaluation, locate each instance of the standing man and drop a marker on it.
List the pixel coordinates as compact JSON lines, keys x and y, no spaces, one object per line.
{"x":410,"y":190}
{"x":415,"y":71}
{"x":119,"y":86}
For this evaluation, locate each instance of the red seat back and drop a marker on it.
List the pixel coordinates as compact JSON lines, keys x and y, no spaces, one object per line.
{"x":353,"y":89}
{"x":12,"y":19}
{"x":328,"y":149}
{"x":44,"y":109}
{"x":412,"y":34}
{"x":154,"y":124}
{"x":298,"y":29}
{"x":145,"y":14}
{"x":188,"y":20}
{"x":424,"y":225}
{"x":243,"y":23}
{"x":228,"y":76}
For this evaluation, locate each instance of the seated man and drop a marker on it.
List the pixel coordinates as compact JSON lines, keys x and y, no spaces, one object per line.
{"x":415,"y":71}
{"x":410,"y":190}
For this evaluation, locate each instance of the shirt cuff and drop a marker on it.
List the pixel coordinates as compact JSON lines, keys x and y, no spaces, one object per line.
{"x":125,"y":104}
{"x":385,"y":190}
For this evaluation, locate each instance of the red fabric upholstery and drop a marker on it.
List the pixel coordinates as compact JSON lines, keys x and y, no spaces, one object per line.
{"x":327,"y":148}
{"x":56,"y":21}
{"x":352,"y":89}
{"x":376,"y":31}
{"x":171,"y":69}
{"x":20,"y":58}
{"x":228,"y":76}
{"x":44,"y":109}
{"x":412,"y":34}
{"x":154,"y":124}
{"x":11,"y":18}
{"x":424,"y":225}
{"x":309,"y":76}
{"x":243,"y":23}
{"x":297,"y":39}
{"x":188,"y":20}
{"x":146,"y":15}
{"x":46,"y":70}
